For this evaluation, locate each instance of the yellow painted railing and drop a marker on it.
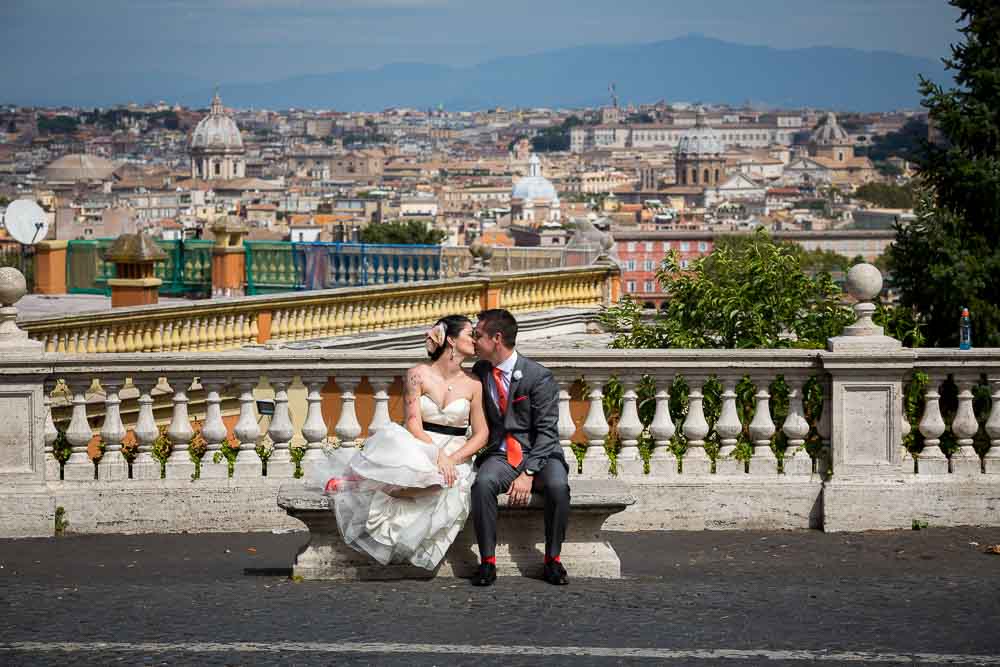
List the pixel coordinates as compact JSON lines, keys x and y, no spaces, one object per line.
{"x":222,"y":324}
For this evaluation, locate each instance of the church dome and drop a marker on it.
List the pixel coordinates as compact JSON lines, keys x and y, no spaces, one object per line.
{"x":534,"y":186}
{"x":217,"y":130}
{"x":830,"y":133}
{"x":78,"y":167}
{"x":700,"y":141}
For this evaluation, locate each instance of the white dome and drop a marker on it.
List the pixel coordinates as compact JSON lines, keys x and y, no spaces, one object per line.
{"x":217,"y":130}
{"x":534,"y":186}
{"x":700,"y":141}
{"x":830,"y":133}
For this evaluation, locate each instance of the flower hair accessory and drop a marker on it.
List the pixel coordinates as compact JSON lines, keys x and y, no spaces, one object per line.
{"x":435,"y":337}
{"x":518,"y":375}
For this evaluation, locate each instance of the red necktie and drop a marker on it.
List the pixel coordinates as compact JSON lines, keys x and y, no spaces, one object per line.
{"x":514,"y":455}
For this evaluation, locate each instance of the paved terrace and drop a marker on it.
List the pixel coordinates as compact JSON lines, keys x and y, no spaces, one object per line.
{"x":744,"y":598}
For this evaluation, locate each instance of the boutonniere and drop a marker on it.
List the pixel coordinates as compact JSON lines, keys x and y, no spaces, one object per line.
{"x":518,"y":375}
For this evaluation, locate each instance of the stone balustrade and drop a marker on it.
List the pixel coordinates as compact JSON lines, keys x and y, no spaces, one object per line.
{"x":784,"y":438}
{"x":225,"y":324}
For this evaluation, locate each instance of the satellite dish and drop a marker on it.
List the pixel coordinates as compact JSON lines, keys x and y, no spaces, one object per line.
{"x":25,"y":221}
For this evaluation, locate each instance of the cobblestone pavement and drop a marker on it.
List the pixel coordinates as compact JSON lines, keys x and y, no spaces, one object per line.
{"x":745,"y":598}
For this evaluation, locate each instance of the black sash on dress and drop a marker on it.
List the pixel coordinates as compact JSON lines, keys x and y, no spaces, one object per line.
{"x":446,"y":430}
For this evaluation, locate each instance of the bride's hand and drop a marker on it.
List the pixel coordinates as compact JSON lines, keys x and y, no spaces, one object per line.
{"x":447,"y":468}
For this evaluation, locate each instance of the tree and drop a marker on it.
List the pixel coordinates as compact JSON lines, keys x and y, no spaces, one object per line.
{"x":908,"y":142}
{"x":887,"y":195}
{"x":949,"y":257}
{"x":750,"y":292}
{"x":410,"y":232}
{"x":57,"y":124}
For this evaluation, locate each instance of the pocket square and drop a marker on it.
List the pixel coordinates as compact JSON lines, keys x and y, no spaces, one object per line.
{"x":521,"y":398}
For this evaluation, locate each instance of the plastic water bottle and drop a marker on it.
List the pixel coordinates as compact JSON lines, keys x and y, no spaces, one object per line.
{"x":965,"y":331}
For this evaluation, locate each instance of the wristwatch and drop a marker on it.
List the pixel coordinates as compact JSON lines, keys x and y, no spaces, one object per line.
{"x":529,"y":472}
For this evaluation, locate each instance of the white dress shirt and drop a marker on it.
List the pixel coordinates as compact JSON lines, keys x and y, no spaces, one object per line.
{"x":506,"y":371}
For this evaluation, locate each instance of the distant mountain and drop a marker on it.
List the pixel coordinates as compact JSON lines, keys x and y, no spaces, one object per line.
{"x":692,"y":68}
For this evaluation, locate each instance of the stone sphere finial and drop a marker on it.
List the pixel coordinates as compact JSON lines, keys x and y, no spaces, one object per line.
{"x":607,"y":242}
{"x":486,"y":252}
{"x":12,"y":286}
{"x":864,"y":282}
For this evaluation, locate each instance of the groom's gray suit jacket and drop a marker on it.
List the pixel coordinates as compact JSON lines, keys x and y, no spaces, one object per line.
{"x":532,"y":415}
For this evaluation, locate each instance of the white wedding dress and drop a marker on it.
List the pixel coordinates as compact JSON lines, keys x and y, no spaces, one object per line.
{"x":393,"y":529}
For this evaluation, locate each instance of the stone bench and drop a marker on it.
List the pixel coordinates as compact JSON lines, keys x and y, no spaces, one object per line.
{"x":520,"y":535}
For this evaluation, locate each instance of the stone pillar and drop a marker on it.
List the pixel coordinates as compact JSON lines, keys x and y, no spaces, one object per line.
{"x":867,"y":369}
{"x":28,"y":509}
{"x":50,"y":267}
{"x":134,"y":256}
{"x":229,"y":258}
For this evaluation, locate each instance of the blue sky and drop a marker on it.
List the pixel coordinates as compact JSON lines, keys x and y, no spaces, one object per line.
{"x":59,"y":41}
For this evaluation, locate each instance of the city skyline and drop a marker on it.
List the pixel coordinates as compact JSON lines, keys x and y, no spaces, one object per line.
{"x":123,"y":49}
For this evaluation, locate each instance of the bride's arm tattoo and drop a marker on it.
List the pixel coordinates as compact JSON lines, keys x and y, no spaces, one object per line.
{"x":411,"y":403}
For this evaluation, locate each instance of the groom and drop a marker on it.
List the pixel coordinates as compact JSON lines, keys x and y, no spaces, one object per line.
{"x":523,"y":453}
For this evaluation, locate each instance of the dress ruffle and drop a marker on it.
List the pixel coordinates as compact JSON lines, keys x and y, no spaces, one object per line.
{"x":393,"y":529}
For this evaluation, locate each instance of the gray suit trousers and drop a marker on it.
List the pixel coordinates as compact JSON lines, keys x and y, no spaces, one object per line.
{"x":495,"y":476}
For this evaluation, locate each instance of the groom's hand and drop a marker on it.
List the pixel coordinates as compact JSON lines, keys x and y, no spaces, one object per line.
{"x":520,"y":490}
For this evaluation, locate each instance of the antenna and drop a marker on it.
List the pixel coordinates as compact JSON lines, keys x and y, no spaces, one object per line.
{"x":614,"y":95}
{"x":25,"y":221}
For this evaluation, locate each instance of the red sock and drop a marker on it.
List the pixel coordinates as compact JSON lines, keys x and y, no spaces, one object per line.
{"x":552,"y":559}
{"x":491,"y":560}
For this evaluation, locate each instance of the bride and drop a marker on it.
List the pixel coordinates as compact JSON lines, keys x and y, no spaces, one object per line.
{"x":406,"y":494}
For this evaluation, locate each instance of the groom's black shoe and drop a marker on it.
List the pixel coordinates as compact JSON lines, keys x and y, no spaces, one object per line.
{"x":555,"y":573}
{"x":486,"y":575}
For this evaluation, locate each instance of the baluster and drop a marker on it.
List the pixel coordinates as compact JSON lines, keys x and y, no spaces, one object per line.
{"x":112,"y":466}
{"x":991,"y":461}
{"x":102,"y":341}
{"x":145,"y":466}
{"x":381,"y":417}
{"x":729,"y":428}
{"x":214,"y":429}
{"x":205,"y":334}
{"x":964,"y":460}
{"x":931,"y":460}
{"x":314,"y":429}
{"x":50,"y":433}
{"x":595,"y":461}
{"x":79,"y":467}
{"x":796,"y":428}
{"x":629,"y":429}
{"x":763,"y":463}
{"x":567,"y":428}
{"x":281,"y":431}
{"x":92,"y":341}
{"x":148,"y":344}
{"x":130,"y":342}
{"x":247,"y":430}
{"x":695,"y":429}
{"x":662,"y":461}
{"x":348,"y":429}
{"x":179,"y":465}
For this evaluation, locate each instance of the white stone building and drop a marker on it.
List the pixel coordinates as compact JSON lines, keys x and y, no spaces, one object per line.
{"x":217,"y":150}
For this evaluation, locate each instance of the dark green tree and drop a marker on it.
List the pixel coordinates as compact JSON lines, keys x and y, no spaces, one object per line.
{"x":410,"y":232}
{"x":886,"y":195}
{"x":950,"y":257}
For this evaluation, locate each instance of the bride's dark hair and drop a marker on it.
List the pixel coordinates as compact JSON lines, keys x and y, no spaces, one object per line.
{"x":452,"y":325}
